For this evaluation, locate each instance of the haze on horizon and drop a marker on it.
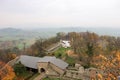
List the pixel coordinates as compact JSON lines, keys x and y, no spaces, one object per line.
{"x":57,"y":13}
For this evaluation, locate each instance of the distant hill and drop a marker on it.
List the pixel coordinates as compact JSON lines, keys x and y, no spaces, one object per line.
{"x":10,"y":30}
{"x":16,"y":37}
{"x":100,"y":31}
{"x":13,"y":33}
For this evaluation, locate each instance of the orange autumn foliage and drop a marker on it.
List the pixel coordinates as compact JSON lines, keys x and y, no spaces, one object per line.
{"x":6,"y":72}
{"x":110,"y":64}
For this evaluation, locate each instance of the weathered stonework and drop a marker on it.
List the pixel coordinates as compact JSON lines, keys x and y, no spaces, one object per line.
{"x":50,"y":69}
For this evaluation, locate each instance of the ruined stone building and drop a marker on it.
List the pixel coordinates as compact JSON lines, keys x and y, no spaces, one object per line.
{"x":51,"y":66}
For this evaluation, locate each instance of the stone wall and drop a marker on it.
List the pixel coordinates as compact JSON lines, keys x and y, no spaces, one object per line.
{"x":42,"y":65}
{"x":50,"y":69}
{"x":59,"y":70}
{"x":75,"y":75}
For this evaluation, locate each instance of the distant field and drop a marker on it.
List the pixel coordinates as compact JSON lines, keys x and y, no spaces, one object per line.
{"x":6,"y":42}
{"x":27,"y":42}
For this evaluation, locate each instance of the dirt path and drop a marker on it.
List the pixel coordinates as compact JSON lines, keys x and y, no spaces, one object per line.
{"x":71,"y":53}
{"x":53,"y":47}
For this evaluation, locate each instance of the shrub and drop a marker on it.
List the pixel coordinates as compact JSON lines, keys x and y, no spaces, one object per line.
{"x":19,"y":69}
{"x":71,"y":61}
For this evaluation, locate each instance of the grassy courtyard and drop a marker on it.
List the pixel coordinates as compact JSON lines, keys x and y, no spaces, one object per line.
{"x":51,"y":79}
{"x":62,"y":53}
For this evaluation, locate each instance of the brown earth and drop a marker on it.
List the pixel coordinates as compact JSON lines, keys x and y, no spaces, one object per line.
{"x":71,"y":53}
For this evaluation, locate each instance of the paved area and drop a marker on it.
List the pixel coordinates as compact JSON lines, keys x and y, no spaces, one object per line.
{"x":53,"y":47}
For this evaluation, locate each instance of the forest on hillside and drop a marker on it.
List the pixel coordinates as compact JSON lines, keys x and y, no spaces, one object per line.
{"x":92,"y":50}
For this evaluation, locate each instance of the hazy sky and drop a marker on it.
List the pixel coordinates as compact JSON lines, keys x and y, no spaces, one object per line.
{"x":39,"y":13}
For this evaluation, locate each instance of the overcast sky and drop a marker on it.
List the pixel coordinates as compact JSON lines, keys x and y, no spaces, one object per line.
{"x":40,"y":13}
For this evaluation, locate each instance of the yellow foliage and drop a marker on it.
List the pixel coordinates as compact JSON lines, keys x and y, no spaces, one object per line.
{"x":7,"y":73}
{"x":99,"y":76}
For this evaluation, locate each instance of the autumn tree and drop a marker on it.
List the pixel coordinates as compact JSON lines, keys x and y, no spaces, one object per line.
{"x":7,"y":55}
{"x":6,"y":72}
{"x":38,"y":48}
{"x":109,"y":64}
{"x":84,"y":44}
{"x":117,"y":44}
{"x":113,"y":44}
{"x":61,"y":35}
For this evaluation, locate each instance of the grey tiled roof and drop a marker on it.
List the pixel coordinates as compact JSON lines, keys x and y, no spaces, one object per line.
{"x":30,"y":61}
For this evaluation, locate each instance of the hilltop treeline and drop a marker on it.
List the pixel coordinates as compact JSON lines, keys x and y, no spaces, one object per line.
{"x":88,"y":45}
{"x":92,"y":49}
{"x":85,"y":44}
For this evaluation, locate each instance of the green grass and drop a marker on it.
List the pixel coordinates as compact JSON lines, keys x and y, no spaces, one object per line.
{"x":61,"y":52}
{"x":19,"y":43}
{"x":20,"y":46}
{"x":26,"y":75}
{"x":34,"y":76}
{"x":28,"y":43}
{"x":71,"y":61}
{"x":51,"y":79}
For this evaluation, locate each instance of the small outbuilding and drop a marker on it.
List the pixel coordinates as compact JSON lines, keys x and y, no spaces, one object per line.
{"x":65,"y":43}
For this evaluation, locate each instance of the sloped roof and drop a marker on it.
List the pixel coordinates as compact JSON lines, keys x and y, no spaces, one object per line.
{"x":30,"y":61}
{"x":58,"y":62}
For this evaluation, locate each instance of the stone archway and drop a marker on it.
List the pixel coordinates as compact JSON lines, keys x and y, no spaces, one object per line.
{"x":42,"y":70}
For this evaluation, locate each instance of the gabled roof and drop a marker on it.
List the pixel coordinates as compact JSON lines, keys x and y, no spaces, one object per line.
{"x":58,"y":62}
{"x":30,"y":61}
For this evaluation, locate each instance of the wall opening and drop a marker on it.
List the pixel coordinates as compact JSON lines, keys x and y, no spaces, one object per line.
{"x":42,"y":70}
